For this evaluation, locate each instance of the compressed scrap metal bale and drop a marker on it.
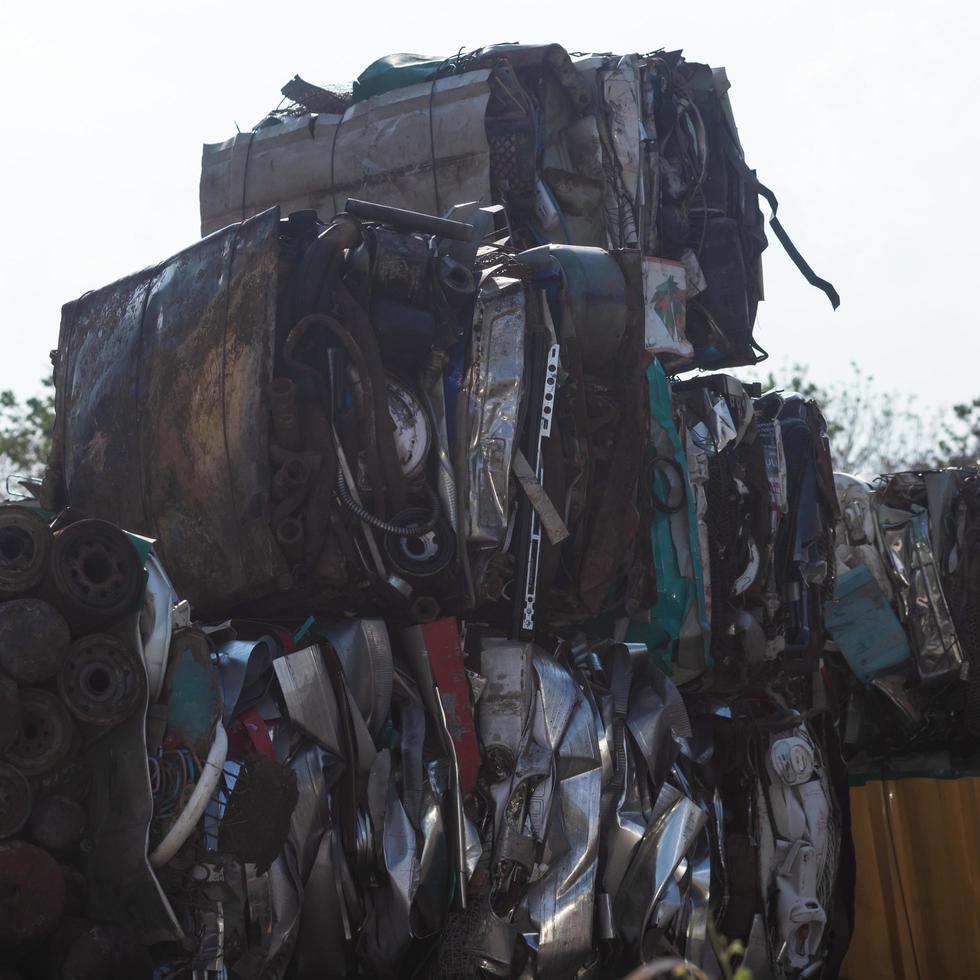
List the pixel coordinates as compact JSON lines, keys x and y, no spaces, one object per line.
{"x":423,"y":148}
{"x":904,"y":618}
{"x":620,"y":152}
{"x":162,"y":405}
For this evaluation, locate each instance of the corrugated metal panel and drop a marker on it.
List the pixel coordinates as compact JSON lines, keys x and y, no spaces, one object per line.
{"x":918,"y":879}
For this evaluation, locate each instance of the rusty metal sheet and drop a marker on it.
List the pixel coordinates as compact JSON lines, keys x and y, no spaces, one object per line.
{"x":162,"y":411}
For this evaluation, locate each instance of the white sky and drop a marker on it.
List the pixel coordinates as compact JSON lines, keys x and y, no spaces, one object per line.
{"x":861,"y":116}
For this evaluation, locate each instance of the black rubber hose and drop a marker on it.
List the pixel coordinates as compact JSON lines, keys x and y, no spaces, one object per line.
{"x":369,"y":428}
{"x":664,"y":506}
{"x":399,"y":530}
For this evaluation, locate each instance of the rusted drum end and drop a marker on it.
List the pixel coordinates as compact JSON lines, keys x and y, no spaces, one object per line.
{"x":32,"y":892}
{"x":46,"y":733}
{"x":103,"y":681}
{"x":25,"y":546}
{"x":95,"y":573}
{"x":34,"y":640}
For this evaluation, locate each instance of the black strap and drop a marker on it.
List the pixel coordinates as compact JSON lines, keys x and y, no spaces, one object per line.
{"x":811,"y":277}
{"x":620,"y":668}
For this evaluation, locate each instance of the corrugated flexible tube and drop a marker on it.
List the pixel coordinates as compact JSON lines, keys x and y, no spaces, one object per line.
{"x":400,"y":530}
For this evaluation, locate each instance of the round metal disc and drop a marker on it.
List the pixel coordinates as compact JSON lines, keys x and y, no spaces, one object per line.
{"x":412,"y":436}
{"x":46,"y":733}
{"x":34,"y":639}
{"x":102,"y":682}
{"x":424,"y":554}
{"x":95,"y":571}
{"x":25,"y":544}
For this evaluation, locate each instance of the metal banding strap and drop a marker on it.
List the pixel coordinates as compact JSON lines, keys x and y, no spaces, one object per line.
{"x":811,"y":277}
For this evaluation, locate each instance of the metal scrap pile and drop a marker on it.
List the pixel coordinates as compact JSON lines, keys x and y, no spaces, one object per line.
{"x":906,"y":619}
{"x":507,"y":652}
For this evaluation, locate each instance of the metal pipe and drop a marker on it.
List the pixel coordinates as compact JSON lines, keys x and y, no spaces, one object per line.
{"x":429,"y":224}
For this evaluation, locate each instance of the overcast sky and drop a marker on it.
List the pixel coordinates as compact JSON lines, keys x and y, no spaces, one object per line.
{"x":861,"y":116}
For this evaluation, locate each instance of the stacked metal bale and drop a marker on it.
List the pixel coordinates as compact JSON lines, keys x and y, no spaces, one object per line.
{"x":507,"y":649}
{"x":904,"y":619}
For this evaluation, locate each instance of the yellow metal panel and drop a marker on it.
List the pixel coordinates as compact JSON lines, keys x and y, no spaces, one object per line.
{"x":917,"y":912}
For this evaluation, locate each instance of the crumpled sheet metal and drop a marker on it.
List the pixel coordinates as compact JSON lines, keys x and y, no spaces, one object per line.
{"x":697,"y":476}
{"x":941,"y":492}
{"x":697,"y":913}
{"x":310,"y":698}
{"x":900,"y":692}
{"x":162,"y":407}
{"x":493,"y":390}
{"x":387,"y":932}
{"x":621,"y":96}
{"x":423,"y":147}
{"x":555,"y":740}
{"x":465,"y":848}
{"x":939,"y":650}
{"x":544,"y":733}
{"x":918,"y":588}
{"x":719,"y":411}
{"x":312,"y":703}
{"x":858,"y":537}
{"x":324,"y":929}
{"x":891,"y":524}
{"x":504,"y":708}
{"x":717,"y":430}
{"x":628,"y":824}
{"x":279,"y":893}
{"x":434,"y":861}
{"x":658,"y":719}
{"x":156,"y":624}
{"x":558,"y":698}
{"x":561,"y":903}
{"x":775,"y":459}
{"x":243,"y":671}
{"x":364,"y":649}
{"x":673,"y":829}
